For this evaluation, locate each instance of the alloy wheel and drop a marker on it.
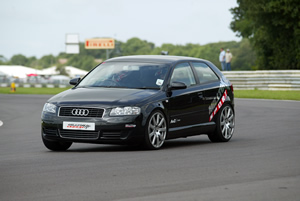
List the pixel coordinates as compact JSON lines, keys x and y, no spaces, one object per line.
{"x":157,"y":129}
{"x":227,"y":122}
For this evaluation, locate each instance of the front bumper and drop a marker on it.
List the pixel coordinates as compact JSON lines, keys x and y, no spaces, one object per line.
{"x":109,"y":130}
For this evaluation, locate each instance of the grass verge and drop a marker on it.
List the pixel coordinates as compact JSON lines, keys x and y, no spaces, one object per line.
{"x":22,"y":90}
{"x":265,"y":94}
{"x":256,"y":94}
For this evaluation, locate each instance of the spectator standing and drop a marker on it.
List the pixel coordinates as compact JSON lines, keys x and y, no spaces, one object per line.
{"x":228,"y":56}
{"x":222,"y":58}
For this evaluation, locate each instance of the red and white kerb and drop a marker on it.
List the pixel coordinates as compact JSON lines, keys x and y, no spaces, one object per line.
{"x":219,"y":105}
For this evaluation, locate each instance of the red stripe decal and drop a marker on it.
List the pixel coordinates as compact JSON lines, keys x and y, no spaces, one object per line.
{"x":219,"y":105}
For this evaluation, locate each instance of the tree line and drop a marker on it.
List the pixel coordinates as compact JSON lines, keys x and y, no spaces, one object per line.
{"x":243,"y":54}
{"x":273,"y":28}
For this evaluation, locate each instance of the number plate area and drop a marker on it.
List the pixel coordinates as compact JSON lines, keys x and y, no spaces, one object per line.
{"x":67,"y":125}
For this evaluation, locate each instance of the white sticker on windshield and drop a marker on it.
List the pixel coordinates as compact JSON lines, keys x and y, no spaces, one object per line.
{"x":159,"y":82}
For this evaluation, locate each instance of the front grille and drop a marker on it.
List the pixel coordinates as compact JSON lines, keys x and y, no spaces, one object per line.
{"x":50,"y":132}
{"x":93,"y":112}
{"x":78,"y":134}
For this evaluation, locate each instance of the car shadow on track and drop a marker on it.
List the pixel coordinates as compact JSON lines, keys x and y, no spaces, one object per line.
{"x":169,"y":144}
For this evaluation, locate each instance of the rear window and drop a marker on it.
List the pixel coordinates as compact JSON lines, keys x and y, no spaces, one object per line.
{"x":183,"y":73}
{"x":205,"y":73}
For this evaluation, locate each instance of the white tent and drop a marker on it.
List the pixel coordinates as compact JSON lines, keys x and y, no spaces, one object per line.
{"x":49,"y":71}
{"x":70,"y":70}
{"x":75,"y":72}
{"x":2,"y":74}
{"x":18,"y":71}
{"x":31,"y":75}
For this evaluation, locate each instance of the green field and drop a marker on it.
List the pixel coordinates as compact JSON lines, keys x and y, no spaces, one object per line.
{"x":256,"y":94}
{"x":265,"y":94}
{"x":22,"y":90}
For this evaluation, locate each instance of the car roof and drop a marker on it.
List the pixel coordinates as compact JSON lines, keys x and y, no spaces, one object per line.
{"x":153,"y":59}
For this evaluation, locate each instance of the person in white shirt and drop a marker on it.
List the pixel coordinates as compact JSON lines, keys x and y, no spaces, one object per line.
{"x":222,"y":58}
{"x":228,"y":57}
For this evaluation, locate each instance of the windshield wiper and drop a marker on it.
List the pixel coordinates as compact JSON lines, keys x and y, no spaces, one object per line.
{"x":93,"y":86}
{"x":148,"y":88}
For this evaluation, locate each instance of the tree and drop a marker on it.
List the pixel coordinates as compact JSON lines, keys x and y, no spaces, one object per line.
{"x":47,"y":61}
{"x":273,"y":27}
{"x":243,"y":54}
{"x":32,"y":62}
{"x":61,"y":69}
{"x":135,"y":46}
{"x":3,"y":60}
{"x":82,"y":61}
{"x":19,"y":59}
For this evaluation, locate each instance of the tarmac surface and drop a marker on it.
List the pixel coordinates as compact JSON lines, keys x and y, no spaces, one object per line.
{"x":261,"y":162}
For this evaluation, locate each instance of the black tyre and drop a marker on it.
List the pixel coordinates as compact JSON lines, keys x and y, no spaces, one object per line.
{"x":57,"y":145}
{"x":156,"y":130}
{"x":225,"y":125}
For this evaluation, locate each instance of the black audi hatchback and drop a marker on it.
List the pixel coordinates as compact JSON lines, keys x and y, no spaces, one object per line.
{"x":141,"y":100}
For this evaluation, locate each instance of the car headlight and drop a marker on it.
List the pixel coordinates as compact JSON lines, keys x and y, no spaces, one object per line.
{"x":49,"y":107}
{"x":123,"y":111}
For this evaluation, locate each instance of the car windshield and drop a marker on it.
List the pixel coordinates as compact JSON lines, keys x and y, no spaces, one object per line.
{"x":126,"y":75}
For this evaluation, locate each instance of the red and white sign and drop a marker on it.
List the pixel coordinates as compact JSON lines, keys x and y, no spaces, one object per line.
{"x":78,"y":126}
{"x":219,"y":105}
{"x":100,"y":43}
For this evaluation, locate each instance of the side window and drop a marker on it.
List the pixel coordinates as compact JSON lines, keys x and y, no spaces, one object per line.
{"x":205,"y":73}
{"x":183,"y":73}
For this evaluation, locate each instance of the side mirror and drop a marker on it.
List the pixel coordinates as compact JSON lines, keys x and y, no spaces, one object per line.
{"x":177,"y":85}
{"x":74,"y":81}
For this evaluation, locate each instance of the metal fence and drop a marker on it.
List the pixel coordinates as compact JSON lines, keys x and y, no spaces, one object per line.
{"x":265,"y":80}
{"x":36,"y":81}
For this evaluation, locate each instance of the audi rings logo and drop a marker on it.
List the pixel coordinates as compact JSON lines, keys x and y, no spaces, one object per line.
{"x":80,"y":112}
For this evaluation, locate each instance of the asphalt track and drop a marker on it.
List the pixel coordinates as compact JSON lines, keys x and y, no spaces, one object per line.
{"x":261,"y":162}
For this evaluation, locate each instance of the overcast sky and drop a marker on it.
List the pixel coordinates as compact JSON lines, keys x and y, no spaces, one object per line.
{"x":39,"y":27}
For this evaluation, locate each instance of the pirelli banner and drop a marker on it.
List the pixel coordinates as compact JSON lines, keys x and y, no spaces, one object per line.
{"x":100,"y":43}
